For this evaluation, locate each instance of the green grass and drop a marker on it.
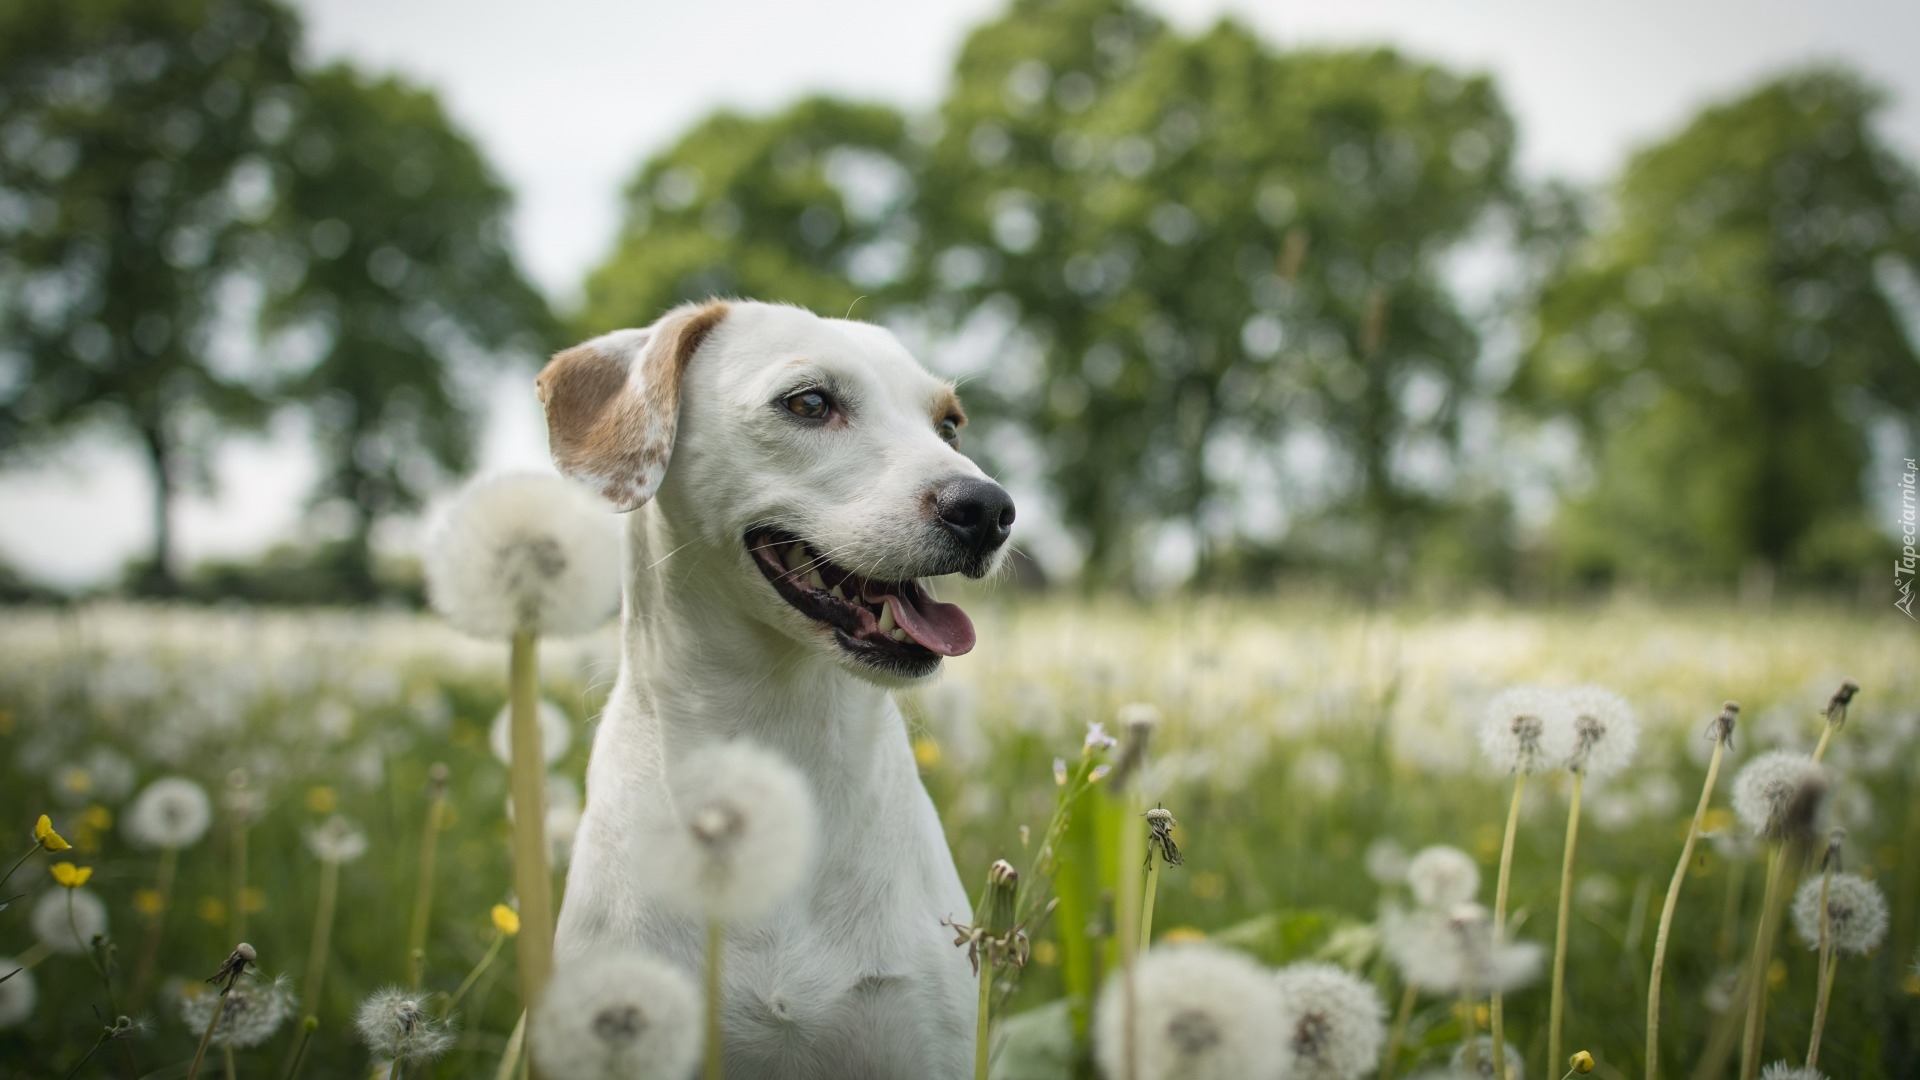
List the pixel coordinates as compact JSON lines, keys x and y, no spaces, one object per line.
{"x":1296,"y":735}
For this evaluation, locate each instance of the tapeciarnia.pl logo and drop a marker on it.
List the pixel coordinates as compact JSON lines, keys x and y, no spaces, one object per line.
{"x":1903,"y":568}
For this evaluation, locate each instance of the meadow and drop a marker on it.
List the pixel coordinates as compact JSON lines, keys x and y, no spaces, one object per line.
{"x":1307,"y":748}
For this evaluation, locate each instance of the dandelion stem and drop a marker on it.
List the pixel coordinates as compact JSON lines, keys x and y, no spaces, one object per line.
{"x":322,"y":932}
{"x":17,"y":863}
{"x":1399,"y":1034}
{"x":1667,"y":909}
{"x":1500,"y":923}
{"x":532,"y":881}
{"x":981,"y":1047}
{"x":1827,"y":965}
{"x":716,"y":998}
{"x":473,"y":976}
{"x":200,"y":1052}
{"x":237,"y":916}
{"x":423,"y":887}
{"x":156,"y":925}
{"x":1470,"y":1031}
{"x":1757,"y":970}
{"x":1133,"y":842}
{"x":227,"y":1055}
{"x":1556,"y":1010}
{"x":1146,"y":902}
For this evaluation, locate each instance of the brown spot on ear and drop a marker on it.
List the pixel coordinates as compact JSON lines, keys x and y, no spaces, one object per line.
{"x":947,"y":404}
{"x":612,"y":408}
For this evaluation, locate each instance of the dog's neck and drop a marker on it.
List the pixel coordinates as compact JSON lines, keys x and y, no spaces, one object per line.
{"x":707,"y":671}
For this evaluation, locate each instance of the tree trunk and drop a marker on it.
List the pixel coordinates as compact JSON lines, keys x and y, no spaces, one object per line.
{"x":156,"y":577}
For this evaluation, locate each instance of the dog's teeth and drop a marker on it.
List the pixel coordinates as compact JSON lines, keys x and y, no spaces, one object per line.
{"x":886,"y":619}
{"x":836,"y":593}
{"x":898,"y":635}
{"x":814,"y":579}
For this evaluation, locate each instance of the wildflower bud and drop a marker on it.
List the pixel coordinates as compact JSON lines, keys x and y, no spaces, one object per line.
{"x":1003,"y":886}
{"x":438,"y":775}
{"x":1836,"y":839}
{"x":1721,"y":730}
{"x":1836,"y":711}
{"x":1160,"y":825}
{"x":1580,"y":1062}
{"x":1138,"y":720}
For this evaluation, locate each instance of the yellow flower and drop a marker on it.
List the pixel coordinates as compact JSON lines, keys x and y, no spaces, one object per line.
{"x":1181,"y":934}
{"x":96,"y":817}
{"x":44,"y":835}
{"x":926,"y":751}
{"x":253,"y":899}
{"x":70,"y":875}
{"x":321,"y":799}
{"x":147,"y":902}
{"x":506,"y":920}
{"x":212,"y":909}
{"x":1581,"y":1062}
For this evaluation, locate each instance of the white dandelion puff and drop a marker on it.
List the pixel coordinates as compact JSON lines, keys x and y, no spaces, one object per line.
{"x":18,"y":993}
{"x":1781,"y":1070}
{"x":1856,"y":913}
{"x":1386,"y":861}
{"x":1474,"y":1061}
{"x":1442,"y":876}
{"x":1527,"y":729}
{"x":524,"y":552}
{"x":1334,"y":1023}
{"x":618,"y":1016}
{"x":337,"y":840}
{"x":396,"y":1025}
{"x":1775,"y":789}
{"x":1201,"y":1013}
{"x":556,"y":732}
{"x":1605,"y":731}
{"x":249,"y":1013}
{"x":1454,"y":952}
{"x":172,"y":812}
{"x":743,"y":837}
{"x":72,"y":936}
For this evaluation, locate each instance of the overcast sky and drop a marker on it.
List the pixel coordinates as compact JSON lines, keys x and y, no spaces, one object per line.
{"x":567,"y":97}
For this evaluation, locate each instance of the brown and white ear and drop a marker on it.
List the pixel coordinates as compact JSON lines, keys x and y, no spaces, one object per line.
{"x":613,"y":403}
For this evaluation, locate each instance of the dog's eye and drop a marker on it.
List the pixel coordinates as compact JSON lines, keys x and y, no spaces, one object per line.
{"x":810,"y":405}
{"x":950,"y":431}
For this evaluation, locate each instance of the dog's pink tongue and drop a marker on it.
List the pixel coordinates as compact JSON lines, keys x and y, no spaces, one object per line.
{"x":943,"y":628}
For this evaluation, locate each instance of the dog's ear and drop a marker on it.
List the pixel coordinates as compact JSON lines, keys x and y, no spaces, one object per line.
{"x":613,"y":403}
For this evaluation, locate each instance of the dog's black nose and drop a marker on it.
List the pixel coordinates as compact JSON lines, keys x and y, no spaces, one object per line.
{"x":979,"y":513}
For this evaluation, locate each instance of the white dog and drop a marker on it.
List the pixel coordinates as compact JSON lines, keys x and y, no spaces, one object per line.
{"x":794,"y":481}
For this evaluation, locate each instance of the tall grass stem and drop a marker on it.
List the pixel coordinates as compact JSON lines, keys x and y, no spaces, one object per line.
{"x":1825,"y":973}
{"x":322,"y":932}
{"x":1398,"y":1036}
{"x":532,"y":880}
{"x":156,"y":925}
{"x":1762,"y":960}
{"x":423,"y":886}
{"x":1652,"y":1070}
{"x":1557,"y":998}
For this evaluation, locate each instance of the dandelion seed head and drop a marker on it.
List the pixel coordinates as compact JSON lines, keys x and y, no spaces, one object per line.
{"x":1334,"y":1023}
{"x":396,"y":1025}
{"x":1454,"y":952}
{"x":249,"y":1013}
{"x":1856,"y":913}
{"x":744,"y":837}
{"x":1527,"y":729}
{"x":1204,"y":1013}
{"x":172,"y":812}
{"x":71,"y":937}
{"x":1442,"y":876}
{"x":556,"y":732}
{"x":1774,"y":789}
{"x":524,"y":552}
{"x":617,"y":1016}
{"x":1780,"y":1070}
{"x":1386,"y":861}
{"x":1605,"y":731}
{"x":1474,"y":1061}
{"x":337,"y":840}
{"x":18,"y":994}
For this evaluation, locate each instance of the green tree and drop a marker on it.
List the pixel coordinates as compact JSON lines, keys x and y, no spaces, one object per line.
{"x":135,"y":148}
{"x":1215,"y":258}
{"x":395,"y":286}
{"x":811,"y":206}
{"x":1728,"y":342}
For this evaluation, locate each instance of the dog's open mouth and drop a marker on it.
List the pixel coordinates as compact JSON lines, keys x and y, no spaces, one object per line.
{"x":890,"y":621}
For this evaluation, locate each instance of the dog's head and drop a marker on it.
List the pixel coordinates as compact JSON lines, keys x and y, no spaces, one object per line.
{"x":813,"y":457}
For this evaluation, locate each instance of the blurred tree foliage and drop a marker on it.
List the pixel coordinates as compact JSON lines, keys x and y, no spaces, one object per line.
{"x":394,"y":280}
{"x":168,"y":177}
{"x":1205,"y":277}
{"x":1730,"y":340}
{"x":136,"y":142}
